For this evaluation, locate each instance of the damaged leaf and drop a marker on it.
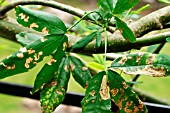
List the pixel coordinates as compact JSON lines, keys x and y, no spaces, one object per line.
{"x":125,"y":30}
{"x":53,"y":93}
{"x":156,"y":65}
{"x":123,"y":96}
{"x":51,"y":66}
{"x":97,"y":99}
{"x":80,"y":71}
{"x":28,"y":57}
{"x":40,"y":21}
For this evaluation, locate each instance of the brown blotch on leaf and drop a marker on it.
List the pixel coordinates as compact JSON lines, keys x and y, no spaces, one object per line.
{"x":51,"y":61}
{"x":104,"y":89}
{"x":87,"y":83}
{"x":127,"y":110}
{"x":43,"y":39}
{"x":123,"y":60}
{"x":92,"y":101}
{"x":84,"y":68}
{"x":136,"y":109}
{"x":34,"y":25}
{"x":24,"y":17}
{"x":66,"y":68}
{"x":114,"y":91}
{"x":150,"y":59}
{"x":139,"y":57}
{"x":64,"y":46}
{"x":54,"y":83}
{"x":121,"y":30}
{"x":154,"y":71}
{"x":35,"y":63}
{"x":59,"y":92}
{"x":20,"y":55}
{"x":92,"y":93}
{"x":119,"y":104}
{"x":128,"y":104}
{"x":45,"y":107}
{"x":44,"y":30}
{"x":37,"y":57}
{"x":124,"y":85}
{"x":10,"y":67}
{"x":28,"y":61}
{"x":72,"y":67}
{"x":30,"y":51}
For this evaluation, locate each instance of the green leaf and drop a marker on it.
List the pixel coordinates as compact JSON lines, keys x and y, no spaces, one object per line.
{"x":107,"y":5}
{"x":123,"y":96}
{"x":95,"y":66}
{"x":48,"y":70}
{"x":27,"y":38}
{"x":98,"y":39}
{"x":84,"y":41}
{"x":80,"y":72}
{"x":99,"y":58}
{"x":97,"y":99}
{"x":168,"y":39}
{"x":125,"y":30}
{"x":152,"y":48}
{"x":40,"y":21}
{"x":27,"y":58}
{"x":54,"y":91}
{"x":123,"y":5}
{"x":165,"y":1}
{"x":143,"y":63}
{"x":145,"y":7}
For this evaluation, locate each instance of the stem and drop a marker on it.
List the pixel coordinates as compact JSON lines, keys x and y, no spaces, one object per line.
{"x":105,"y":52}
{"x":83,"y":18}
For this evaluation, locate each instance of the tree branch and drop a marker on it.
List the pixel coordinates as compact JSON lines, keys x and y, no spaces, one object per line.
{"x":153,"y":21}
{"x":115,"y":43}
{"x":63,"y":7}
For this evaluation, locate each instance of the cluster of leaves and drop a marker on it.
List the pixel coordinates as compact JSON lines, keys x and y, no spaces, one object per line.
{"x":52,"y":80}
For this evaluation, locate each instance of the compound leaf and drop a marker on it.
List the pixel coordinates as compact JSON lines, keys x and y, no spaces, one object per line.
{"x":123,"y":96}
{"x":54,"y":91}
{"x":40,"y":21}
{"x":50,"y":67}
{"x":84,"y":41}
{"x":80,"y":72}
{"x":143,"y":63}
{"x":97,"y":98}
{"x":123,"y":5}
{"x":125,"y":30}
{"x":27,"y":58}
